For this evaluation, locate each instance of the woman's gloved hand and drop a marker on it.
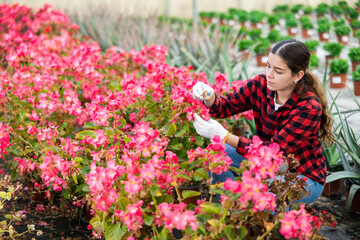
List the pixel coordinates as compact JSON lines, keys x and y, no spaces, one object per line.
{"x":201,"y":91}
{"x":210,"y":128}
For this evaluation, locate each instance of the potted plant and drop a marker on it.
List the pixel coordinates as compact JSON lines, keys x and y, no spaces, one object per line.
{"x":308,"y":10}
{"x":342,"y":32}
{"x":273,"y":20}
{"x":357,"y":6}
{"x":242,"y":16}
{"x":342,"y":4}
{"x":336,"y":11}
{"x":205,"y":16}
{"x":356,"y":80}
{"x":321,"y":10}
{"x":355,"y":25}
{"x":333,"y":49}
{"x":312,"y":45}
{"x":323,"y":29}
{"x":244,"y":47}
{"x":314,"y":62}
{"x":291,"y":24}
{"x":333,"y":165}
{"x":307,"y":26}
{"x":352,"y":14}
{"x":261,"y":50}
{"x":256,"y":18}
{"x":274,"y":36}
{"x":338,"y":73}
{"x":254,"y":33}
{"x":296,"y":9}
{"x":354,"y":56}
{"x":281,"y":8}
{"x":351,"y":172}
{"x":324,"y":32}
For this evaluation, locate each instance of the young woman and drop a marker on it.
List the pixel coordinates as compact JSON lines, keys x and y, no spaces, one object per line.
{"x":289,"y":106}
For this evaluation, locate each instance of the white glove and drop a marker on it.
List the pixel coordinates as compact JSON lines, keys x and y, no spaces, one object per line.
{"x":201,"y":91}
{"x":210,"y":128}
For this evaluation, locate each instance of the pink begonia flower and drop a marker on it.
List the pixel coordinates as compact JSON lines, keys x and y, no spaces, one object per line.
{"x":297,"y":224}
{"x":231,"y":185}
{"x":134,"y":184}
{"x":4,"y":139}
{"x":175,"y":216}
{"x":132,"y":217}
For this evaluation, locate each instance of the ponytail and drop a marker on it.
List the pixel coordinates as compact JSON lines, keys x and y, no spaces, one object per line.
{"x":311,"y":83}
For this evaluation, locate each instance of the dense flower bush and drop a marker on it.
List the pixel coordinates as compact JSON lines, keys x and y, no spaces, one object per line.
{"x":112,"y":131}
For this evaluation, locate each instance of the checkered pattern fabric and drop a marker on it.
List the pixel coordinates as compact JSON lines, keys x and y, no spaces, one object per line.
{"x":294,"y":126}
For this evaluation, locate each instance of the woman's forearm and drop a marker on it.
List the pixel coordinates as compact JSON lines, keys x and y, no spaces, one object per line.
{"x":232,"y":140}
{"x":209,"y":102}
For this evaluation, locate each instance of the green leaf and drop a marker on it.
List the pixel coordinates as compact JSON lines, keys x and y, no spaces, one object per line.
{"x":126,"y":139}
{"x":96,"y":223}
{"x":201,"y":173}
{"x":172,"y":129}
{"x":3,"y":195}
{"x":199,"y":140}
{"x":123,"y":203}
{"x":243,"y":233}
{"x":78,"y":160}
{"x":115,"y":231}
{"x":189,"y":193}
{"x":86,"y":133}
{"x":14,"y":150}
{"x":177,"y":146}
{"x":184,"y":129}
{"x":228,"y":230}
{"x":74,"y":176}
{"x":123,"y":121}
{"x":53,"y":149}
{"x":164,"y":233}
{"x":212,"y":208}
{"x":148,"y":219}
{"x":341,"y":175}
{"x":66,"y":193}
{"x":183,"y":175}
{"x":90,"y":125}
{"x":155,"y":190}
{"x":353,"y":189}
{"x":85,"y":188}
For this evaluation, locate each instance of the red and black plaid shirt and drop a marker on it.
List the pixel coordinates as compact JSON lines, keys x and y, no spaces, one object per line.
{"x":294,"y":126}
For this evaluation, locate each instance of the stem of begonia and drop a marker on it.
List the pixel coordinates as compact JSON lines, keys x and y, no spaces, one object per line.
{"x":267,"y":232}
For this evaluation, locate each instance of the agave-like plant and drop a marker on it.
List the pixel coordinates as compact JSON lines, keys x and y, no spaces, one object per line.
{"x":205,"y":47}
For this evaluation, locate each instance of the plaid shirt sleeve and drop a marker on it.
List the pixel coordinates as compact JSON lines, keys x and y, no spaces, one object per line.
{"x":237,"y":102}
{"x":233,"y":103}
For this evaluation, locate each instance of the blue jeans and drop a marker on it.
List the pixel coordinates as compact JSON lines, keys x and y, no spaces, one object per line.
{"x":315,"y":187}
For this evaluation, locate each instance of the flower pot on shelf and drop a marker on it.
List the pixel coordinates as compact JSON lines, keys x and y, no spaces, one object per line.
{"x":354,"y":64}
{"x":333,"y":188}
{"x":356,"y":88}
{"x":338,"y":80}
{"x":261,"y":60}
{"x":344,"y":39}
{"x":324,"y":36}
{"x":355,"y":203}
{"x":292,"y":31}
{"x":307,"y":33}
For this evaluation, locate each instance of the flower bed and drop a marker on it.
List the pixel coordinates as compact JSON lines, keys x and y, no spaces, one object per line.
{"x":113,"y":131}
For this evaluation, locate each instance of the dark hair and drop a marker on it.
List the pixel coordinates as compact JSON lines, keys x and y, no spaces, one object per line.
{"x":297,"y":57}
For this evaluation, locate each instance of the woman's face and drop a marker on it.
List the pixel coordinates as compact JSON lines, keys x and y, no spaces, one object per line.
{"x":279,"y":76}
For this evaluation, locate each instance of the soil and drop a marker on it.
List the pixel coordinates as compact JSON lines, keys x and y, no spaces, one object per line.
{"x":54,"y":222}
